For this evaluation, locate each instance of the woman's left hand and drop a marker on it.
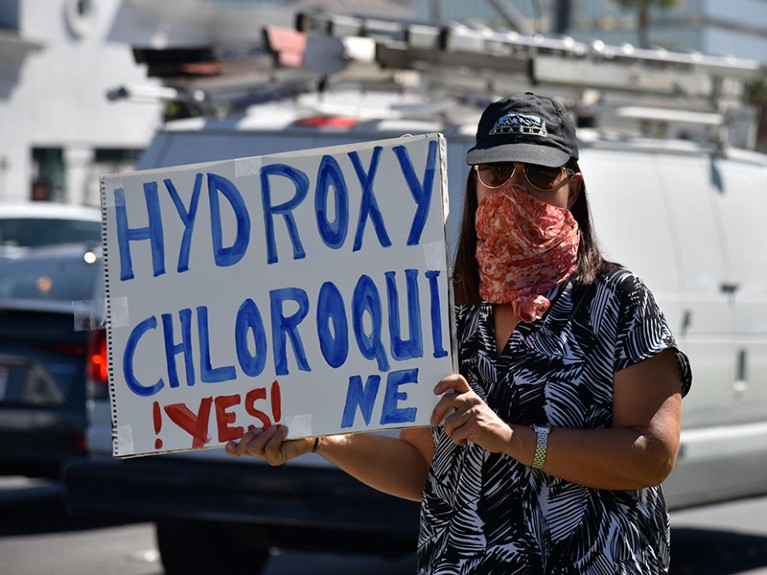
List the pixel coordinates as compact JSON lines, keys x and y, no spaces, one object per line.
{"x":467,"y":417}
{"x":270,"y":444}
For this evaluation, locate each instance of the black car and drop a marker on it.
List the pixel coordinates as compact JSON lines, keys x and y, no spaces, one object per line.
{"x":44,"y":355}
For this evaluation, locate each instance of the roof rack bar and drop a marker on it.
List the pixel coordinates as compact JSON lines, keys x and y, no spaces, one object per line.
{"x":485,"y":42}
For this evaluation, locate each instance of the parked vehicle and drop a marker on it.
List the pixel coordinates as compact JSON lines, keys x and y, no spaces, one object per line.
{"x":686,"y":216}
{"x":42,"y":357}
{"x":36,"y":224}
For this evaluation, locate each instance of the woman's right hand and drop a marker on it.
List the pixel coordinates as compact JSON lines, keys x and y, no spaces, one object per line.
{"x":270,"y":444}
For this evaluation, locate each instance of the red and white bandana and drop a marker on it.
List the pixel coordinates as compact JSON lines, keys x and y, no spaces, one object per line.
{"x":525,"y":248}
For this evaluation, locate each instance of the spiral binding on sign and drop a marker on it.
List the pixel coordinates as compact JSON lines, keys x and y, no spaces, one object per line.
{"x":108,"y":313}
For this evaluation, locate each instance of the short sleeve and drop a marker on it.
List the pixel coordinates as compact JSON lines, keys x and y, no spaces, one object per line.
{"x":642,"y":330}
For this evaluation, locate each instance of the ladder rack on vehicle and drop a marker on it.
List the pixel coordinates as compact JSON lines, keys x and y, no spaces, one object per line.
{"x":467,"y":66}
{"x":617,"y":83}
{"x":457,"y":49}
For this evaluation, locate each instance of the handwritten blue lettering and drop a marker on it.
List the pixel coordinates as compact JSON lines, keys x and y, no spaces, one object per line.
{"x":420,"y":190}
{"x":392,"y":412}
{"x":185,"y":347}
{"x":210,"y":374}
{"x":369,"y":205}
{"x":362,"y":397}
{"x":301,"y":183}
{"x":187,"y":218}
{"x":367,"y":301}
{"x":152,"y":232}
{"x":332,"y":327}
{"x":436,"y":314}
{"x":288,"y":308}
{"x":330,"y":174}
{"x":130,"y":350}
{"x":227,"y":256}
{"x":249,"y":321}
{"x":284,"y":327}
{"x":413,"y":347}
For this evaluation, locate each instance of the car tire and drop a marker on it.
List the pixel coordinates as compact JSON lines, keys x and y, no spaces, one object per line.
{"x":191,"y":547}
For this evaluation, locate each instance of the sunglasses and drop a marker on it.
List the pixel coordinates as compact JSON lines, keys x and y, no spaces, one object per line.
{"x":541,"y":178}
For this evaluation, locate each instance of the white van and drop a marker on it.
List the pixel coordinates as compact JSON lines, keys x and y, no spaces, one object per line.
{"x":689,"y":219}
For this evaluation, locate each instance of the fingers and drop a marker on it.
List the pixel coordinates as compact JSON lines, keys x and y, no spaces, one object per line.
{"x":254,"y":442}
{"x":269,"y":444}
{"x":273,"y":450}
{"x":456,"y":393}
{"x":455,"y":382}
{"x":461,"y":425}
{"x":445,"y":407}
{"x":464,"y":416}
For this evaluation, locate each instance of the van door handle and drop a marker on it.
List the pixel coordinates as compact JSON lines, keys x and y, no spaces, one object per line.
{"x":728,"y":287}
{"x":686,"y":322}
{"x":741,"y":377}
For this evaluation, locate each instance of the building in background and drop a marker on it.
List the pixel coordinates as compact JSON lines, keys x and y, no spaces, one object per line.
{"x":60,"y":58}
{"x":59,"y":131}
{"x":731,"y":27}
{"x":716,"y":27}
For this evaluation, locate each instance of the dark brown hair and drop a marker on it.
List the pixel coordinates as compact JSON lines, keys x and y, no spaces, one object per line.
{"x":590,"y":261}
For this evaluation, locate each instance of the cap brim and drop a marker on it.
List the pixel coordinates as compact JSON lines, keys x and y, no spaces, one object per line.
{"x":526,"y":153}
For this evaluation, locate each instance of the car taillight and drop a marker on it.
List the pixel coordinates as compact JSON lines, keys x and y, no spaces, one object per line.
{"x":97,"y":357}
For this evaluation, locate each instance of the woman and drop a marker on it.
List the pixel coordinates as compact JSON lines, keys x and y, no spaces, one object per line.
{"x":549,"y":447}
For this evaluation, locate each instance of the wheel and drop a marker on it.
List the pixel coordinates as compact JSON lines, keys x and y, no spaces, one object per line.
{"x":190,"y":547}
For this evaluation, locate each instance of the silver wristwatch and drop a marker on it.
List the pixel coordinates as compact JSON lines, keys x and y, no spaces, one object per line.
{"x":541,"y":445}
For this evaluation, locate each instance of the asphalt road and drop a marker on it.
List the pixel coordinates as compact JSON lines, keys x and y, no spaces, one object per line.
{"x":38,"y":538}
{"x":724,"y":539}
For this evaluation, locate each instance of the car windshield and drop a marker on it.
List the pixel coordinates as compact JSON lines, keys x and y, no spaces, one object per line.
{"x":32,"y":232}
{"x":70,"y":279}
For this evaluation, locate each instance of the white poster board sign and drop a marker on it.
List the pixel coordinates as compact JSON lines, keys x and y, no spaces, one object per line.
{"x":308,"y":289}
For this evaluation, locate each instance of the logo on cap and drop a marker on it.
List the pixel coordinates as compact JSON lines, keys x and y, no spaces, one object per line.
{"x":520,"y":124}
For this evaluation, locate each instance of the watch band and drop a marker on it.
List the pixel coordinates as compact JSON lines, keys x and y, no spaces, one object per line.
{"x":541,"y":445}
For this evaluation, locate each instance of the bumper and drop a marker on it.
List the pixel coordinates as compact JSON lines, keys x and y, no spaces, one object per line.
{"x":38,"y":453}
{"x":293,"y":497}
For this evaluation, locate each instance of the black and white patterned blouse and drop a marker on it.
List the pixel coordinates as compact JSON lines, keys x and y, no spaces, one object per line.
{"x":486,"y":513}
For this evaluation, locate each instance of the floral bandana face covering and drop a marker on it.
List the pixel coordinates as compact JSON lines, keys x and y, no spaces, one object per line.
{"x":525,"y":248}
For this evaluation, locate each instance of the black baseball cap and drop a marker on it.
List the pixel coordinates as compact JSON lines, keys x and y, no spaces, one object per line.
{"x":525,"y":128}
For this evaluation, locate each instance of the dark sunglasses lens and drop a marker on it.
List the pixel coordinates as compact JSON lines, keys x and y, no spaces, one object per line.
{"x":494,"y":175}
{"x":541,"y":176}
